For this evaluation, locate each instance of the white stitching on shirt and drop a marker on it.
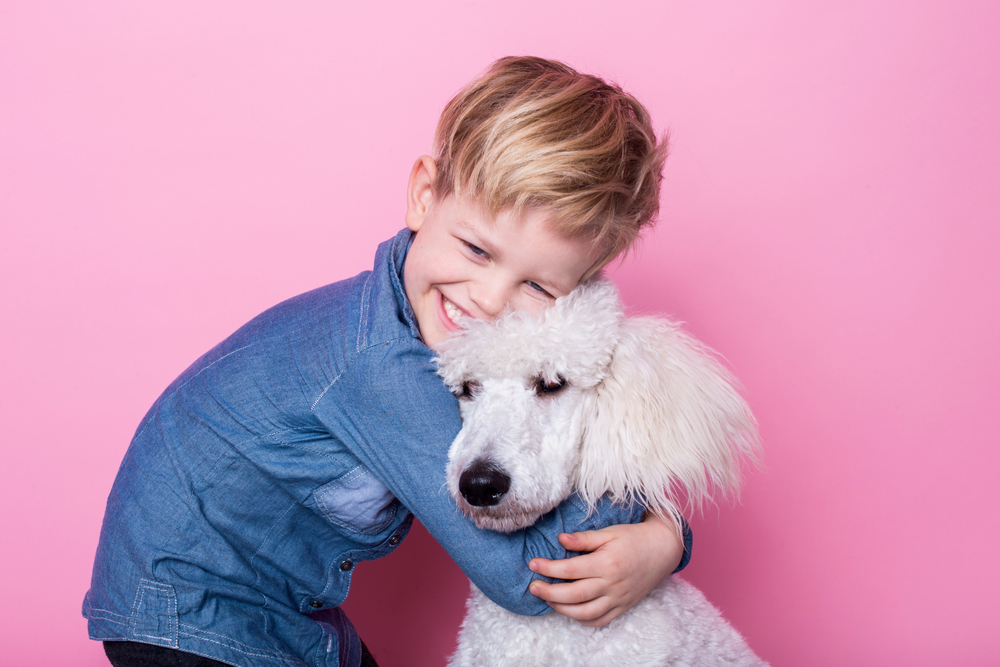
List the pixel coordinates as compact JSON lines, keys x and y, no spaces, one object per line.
{"x":257,"y":553}
{"x":186,"y":383}
{"x":148,"y":584}
{"x":347,"y":367}
{"x":363,"y":318}
{"x":228,"y":643}
{"x":323,"y":393}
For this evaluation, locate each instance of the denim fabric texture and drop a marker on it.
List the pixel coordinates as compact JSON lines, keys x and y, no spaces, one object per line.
{"x":298,"y":447}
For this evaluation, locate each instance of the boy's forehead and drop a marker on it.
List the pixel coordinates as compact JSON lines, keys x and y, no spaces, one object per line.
{"x":528,"y":220}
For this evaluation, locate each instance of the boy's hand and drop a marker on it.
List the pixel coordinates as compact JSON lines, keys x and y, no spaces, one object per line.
{"x":623,"y":565}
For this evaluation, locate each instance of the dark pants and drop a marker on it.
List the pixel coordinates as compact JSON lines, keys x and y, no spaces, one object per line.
{"x":134,"y":654}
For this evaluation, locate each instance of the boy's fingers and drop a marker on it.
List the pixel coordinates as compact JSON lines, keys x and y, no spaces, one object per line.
{"x":588,"y":540}
{"x":578,"y":567}
{"x":594,"y":613}
{"x":572,"y":593}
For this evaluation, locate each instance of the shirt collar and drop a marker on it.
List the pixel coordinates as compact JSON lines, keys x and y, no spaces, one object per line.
{"x":399,"y":246}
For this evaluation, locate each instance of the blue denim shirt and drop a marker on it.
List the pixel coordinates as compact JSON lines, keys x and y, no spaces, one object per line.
{"x":299,"y":446}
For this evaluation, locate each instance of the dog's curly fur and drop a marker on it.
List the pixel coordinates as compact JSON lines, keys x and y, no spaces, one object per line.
{"x":582,"y":399}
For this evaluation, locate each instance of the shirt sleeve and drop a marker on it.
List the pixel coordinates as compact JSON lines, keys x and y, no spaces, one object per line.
{"x":395,"y":414}
{"x":688,"y":544}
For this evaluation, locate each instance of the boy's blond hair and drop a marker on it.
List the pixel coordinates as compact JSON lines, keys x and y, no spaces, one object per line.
{"x":536,"y":133}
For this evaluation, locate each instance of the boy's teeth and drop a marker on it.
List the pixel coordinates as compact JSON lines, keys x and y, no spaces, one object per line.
{"x":453,"y":311}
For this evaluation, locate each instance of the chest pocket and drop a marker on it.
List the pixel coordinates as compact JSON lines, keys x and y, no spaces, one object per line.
{"x":357,"y":502}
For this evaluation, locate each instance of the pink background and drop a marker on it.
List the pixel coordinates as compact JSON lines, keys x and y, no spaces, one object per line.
{"x":830,"y":224}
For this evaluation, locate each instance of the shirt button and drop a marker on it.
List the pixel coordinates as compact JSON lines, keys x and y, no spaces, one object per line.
{"x":316,"y":604}
{"x":394,"y":540}
{"x":346,"y":565}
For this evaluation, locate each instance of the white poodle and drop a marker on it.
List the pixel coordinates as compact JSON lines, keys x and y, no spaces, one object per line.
{"x":582,"y":399}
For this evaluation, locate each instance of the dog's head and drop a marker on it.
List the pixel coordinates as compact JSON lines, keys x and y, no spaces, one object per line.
{"x":580,"y":399}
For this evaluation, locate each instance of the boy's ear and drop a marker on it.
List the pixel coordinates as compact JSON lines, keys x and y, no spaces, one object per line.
{"x":420,"y":191}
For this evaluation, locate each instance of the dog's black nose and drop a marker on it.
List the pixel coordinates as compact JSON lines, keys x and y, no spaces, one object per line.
{"x":483,"y":484}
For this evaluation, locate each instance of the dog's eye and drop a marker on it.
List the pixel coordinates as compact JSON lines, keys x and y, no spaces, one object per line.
{"x":543,"y":386}
{"x":469,"y":390}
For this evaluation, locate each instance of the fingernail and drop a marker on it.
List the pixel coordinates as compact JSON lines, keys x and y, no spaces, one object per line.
{"x":533,"y":566}
{"x":534,"y":590}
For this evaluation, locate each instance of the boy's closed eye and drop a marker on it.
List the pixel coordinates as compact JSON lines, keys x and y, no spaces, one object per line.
{"x":538,"y":288}
{"x":476,"y":250}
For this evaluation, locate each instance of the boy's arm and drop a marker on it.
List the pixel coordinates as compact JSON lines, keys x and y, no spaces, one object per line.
{"x":398,"y":418}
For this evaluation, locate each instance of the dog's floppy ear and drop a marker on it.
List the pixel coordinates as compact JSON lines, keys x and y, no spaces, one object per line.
{"x":667,"y":426}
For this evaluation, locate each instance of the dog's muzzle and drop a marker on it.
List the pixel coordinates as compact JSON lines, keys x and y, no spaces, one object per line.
{"x":483,"y":484}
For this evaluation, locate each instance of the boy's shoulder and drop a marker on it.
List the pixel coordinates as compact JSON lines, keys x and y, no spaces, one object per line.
{"x":320,"y":333}
{"x":364,"y":309}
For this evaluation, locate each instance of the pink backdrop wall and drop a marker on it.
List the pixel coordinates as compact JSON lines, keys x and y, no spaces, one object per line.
{"x":830,"y":224}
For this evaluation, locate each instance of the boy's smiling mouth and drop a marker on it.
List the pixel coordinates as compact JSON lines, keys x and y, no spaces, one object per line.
{"x":453,"y":312}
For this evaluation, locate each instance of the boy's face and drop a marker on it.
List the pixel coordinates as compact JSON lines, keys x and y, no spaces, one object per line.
{"x":462,"y":265}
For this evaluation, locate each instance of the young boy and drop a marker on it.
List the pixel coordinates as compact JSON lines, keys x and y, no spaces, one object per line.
{"x":307,"y":441}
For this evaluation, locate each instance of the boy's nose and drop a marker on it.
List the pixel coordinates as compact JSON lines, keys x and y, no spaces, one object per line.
{"x":491,"y":299}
